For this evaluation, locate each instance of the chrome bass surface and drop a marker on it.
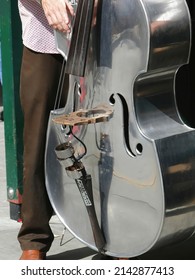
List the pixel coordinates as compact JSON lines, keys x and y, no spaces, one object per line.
{"x":124,"y":125}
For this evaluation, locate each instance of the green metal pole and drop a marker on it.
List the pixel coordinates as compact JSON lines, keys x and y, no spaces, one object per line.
{"x":13,"y":119}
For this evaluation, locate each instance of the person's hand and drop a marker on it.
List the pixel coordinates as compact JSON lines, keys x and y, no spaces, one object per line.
{"x":58,"y":14}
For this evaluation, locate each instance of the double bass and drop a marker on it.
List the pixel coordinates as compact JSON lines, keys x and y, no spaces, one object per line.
{"x":120,"y":158}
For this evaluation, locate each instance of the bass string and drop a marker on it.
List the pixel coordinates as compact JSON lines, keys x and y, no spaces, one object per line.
{"x":60,"y":86}
{"x":63,"y":69}
{"x":80,"y":37}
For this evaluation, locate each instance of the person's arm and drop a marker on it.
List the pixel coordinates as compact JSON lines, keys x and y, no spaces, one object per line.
{"x":57,"y":13}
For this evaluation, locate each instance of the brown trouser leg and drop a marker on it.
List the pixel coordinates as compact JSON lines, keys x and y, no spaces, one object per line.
{"x":39,"y":81}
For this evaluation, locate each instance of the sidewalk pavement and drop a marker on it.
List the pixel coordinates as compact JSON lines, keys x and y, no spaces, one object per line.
{"x":66,"y":247}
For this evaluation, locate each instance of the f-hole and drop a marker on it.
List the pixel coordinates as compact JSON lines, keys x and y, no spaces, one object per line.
{"x":139,"y":147}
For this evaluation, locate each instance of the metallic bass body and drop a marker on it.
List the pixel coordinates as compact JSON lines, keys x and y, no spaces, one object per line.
{"x":142,"y":159}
